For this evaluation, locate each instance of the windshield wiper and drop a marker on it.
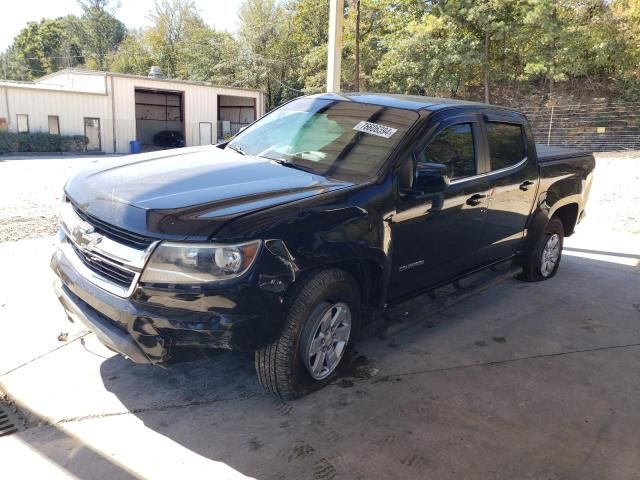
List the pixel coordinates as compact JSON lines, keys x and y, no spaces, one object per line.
{"x":237,"y":148}
{"x":284,"y":163}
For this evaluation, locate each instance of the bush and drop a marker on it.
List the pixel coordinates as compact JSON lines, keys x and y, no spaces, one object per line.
{"x":41,"y":142}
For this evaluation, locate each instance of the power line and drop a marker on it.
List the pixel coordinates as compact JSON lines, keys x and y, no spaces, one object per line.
{"x":53,"y":57}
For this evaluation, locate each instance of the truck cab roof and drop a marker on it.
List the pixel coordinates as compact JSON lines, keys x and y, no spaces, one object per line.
{"x":407,"y":102}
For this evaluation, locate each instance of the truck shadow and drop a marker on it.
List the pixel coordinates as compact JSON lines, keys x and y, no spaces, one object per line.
{"x":212,"y":404}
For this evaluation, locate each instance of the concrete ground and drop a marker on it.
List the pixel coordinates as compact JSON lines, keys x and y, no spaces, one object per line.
{"x":522,"y":381}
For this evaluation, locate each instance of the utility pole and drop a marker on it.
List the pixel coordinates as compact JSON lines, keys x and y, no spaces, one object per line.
{"x":356,"y":79}
{"x":486,"y":65}
{"x":334,"y":53}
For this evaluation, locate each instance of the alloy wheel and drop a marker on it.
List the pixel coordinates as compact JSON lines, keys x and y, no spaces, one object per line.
{"x":550,"y":255}
{"x":326,"y":345}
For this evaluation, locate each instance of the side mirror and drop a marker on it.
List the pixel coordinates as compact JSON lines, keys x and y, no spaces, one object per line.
{"x":430,"y":178}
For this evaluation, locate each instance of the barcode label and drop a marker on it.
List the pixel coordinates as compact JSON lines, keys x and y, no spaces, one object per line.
{"x":375,"y":129}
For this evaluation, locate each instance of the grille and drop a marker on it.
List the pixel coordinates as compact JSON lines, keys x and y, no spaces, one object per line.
{"x":115,"y":233}
{"x":117,"y":275}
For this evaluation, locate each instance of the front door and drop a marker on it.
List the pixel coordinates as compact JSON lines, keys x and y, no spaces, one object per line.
{"x":435,"y":238}
{"x":205,"y":133}
{"x":92,"y":132}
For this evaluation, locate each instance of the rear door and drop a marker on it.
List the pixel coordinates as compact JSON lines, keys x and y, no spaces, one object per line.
{"x":435,"y":237}
{"x":513,"y":180}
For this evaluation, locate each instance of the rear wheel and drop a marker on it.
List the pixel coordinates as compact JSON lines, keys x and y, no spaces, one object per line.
{"x":545,"y":258}
{"x":321,"y":321}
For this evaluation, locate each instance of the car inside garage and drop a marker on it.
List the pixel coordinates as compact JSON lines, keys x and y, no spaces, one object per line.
{"x":159,"y":119}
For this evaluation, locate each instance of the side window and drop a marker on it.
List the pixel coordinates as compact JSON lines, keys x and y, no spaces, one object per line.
{"x":506,"y":144}
{"x":452,"y":147}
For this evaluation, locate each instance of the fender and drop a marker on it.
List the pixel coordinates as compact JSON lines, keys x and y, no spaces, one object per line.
{"x":567,"y":190}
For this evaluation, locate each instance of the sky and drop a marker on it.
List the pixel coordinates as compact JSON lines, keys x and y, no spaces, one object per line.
{"x":221,"y":14}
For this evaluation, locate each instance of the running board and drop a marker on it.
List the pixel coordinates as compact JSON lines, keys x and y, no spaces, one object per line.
{"x":406,"y":314}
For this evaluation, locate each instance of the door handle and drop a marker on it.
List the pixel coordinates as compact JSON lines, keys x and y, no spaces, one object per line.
{"x":524,"y":186}
{"x":474,"y":200}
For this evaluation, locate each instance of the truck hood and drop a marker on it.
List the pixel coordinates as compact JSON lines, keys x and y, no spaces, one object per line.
{"x":188,"y":192}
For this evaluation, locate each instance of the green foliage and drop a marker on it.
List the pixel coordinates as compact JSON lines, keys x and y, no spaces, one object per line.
{"x":133,"y":56}
{"x":270,"y":52}
{"x":41,"y":48}
{"x":174,"y":21}
{"x":41,"y":142}
{"x":435,"y":56}
{"x":100,"y":32}
{"x":478,"y":49}
{"x":455,"y":47}
{"x":182,"y":45}
{"x":51,"y":44}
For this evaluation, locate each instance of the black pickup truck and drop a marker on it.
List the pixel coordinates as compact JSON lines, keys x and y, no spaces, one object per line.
{"x":311,"y":222}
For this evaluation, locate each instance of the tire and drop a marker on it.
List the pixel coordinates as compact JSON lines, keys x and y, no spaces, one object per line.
{"x":283,"y":367}
{"x":539,"y":265}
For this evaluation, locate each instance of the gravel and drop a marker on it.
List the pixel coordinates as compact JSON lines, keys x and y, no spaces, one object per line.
{"x":30,"y":190}
{"x":614,"y":201}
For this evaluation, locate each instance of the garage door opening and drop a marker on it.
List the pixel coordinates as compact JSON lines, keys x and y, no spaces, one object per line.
{"x":159,"y":119}
{"x":234,"y":113}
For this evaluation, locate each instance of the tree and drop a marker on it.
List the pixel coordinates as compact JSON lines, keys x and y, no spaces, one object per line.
{"x":486,"y":20}
{"x":310,"y":33}
{"x":43,"y":47}
{"x":173,"y":20}
{"x":183,"y":46}
{"x":100,"y":31}
{"x":266,"y":35}
{"x":548,"y":22}
{"x":133,"y":56}
{"x":435,"y":56}
{"x":375,"y":26}
{"x":498,"y":50}
{"x":627,"y":15}
{"x":211,"y":56}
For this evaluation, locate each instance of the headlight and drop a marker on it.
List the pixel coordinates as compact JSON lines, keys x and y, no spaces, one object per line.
{"x":184,"y":263}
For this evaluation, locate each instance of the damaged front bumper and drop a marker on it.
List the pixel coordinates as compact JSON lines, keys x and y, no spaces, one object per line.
{"x":147,"y":326}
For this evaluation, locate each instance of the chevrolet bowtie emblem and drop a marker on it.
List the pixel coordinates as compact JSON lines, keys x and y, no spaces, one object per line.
{"x":90,"y":238}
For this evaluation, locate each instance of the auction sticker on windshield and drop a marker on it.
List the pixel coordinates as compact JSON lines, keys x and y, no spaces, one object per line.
{"x":375,"y":129}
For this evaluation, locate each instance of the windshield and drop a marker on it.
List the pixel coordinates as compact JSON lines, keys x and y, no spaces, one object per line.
{"x":333,"y":138}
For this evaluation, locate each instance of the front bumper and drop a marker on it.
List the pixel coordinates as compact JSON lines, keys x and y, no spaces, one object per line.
{"x":148,"y":325}
{"x":111,"y":336}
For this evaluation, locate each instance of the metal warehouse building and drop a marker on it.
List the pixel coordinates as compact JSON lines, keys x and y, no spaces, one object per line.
{"x":112,"y":109}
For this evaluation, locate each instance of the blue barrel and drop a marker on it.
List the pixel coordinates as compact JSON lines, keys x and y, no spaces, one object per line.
{"x":134,"y":146}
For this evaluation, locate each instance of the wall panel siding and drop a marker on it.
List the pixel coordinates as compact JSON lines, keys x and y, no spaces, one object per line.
{"x":200,"y":105}
{"x":43,"y":99}
{"x":86,"y":82}
{"x":70,"y":107}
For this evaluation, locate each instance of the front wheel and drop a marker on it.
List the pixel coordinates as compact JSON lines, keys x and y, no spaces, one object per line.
{"x":321,"y":321}
{"x":545,"y":258}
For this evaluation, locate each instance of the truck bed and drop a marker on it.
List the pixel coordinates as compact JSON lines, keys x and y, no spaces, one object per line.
{"x":548,"y":153}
